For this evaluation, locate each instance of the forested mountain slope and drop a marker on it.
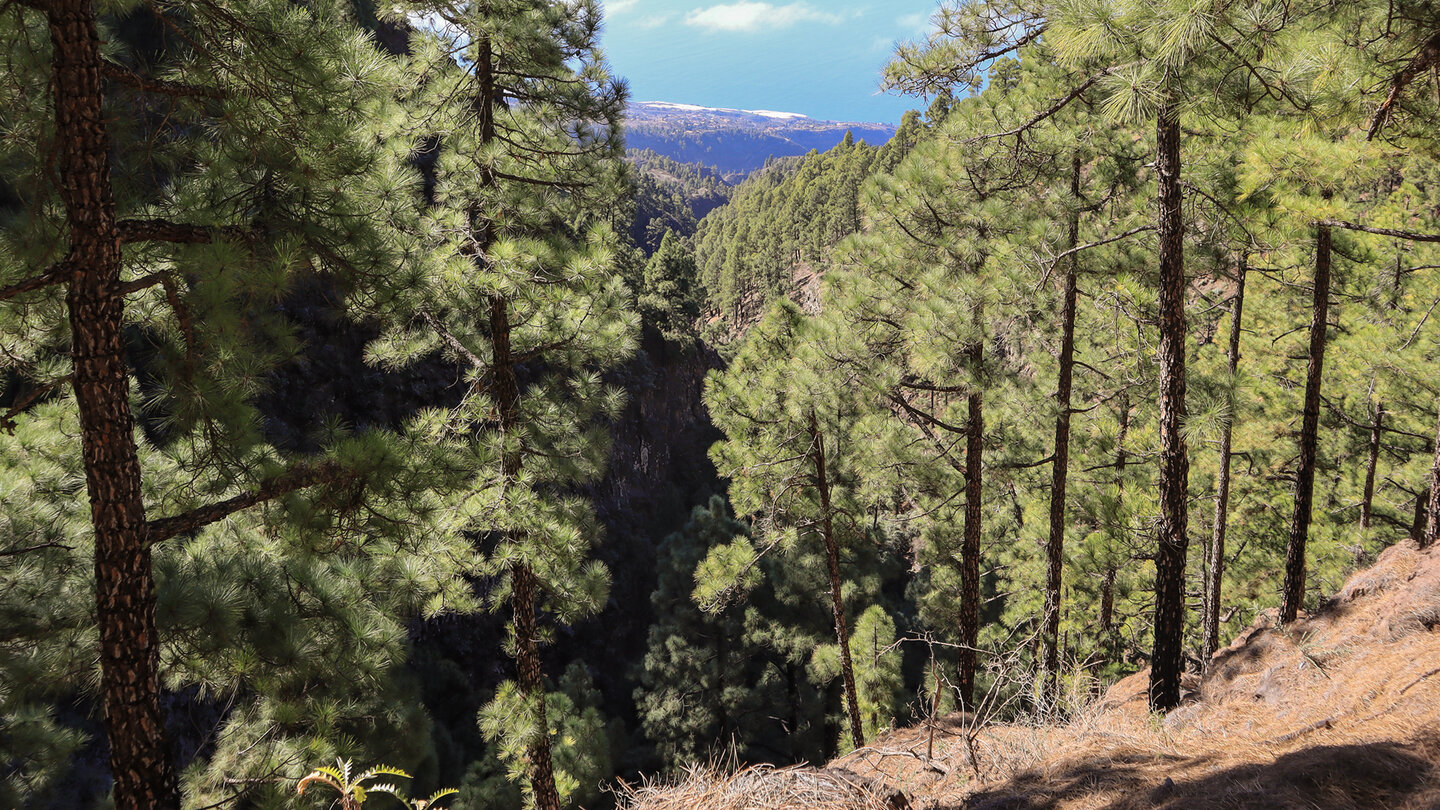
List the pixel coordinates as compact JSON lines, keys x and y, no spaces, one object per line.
{"x":735,"y":142}
{"x":344,"y":418}
{"x":1336,"y":710}
{"x":671,"y":196}
{"x":775,"y":235}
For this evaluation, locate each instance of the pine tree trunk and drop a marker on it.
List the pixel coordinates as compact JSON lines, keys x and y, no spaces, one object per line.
{"x":792,"y":695}
{"x":538,"y":766}
{"x":1122,"y":460}
{"x":1216,"y":571}
{"x":1432,"y":523}
{"x":722,"y":714}
{"x":1294,"y":592}
{"x":970,"y":551}
{"x":832,"y":562}
{"x":124,"y":580}
{"x":505,"y":388}
{"x":1060,"y":464}
{"x":1367,"y":501}
{"x":1418,"y":523}
{"x":1107,"y":601}
{"x":1167,"y":664}
{"x":523,"y":582}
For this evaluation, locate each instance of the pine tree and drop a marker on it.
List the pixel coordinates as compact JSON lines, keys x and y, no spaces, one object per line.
{"x":1215,"y":571}
{"x":1173,"y":43}
{"x":137,"y":318}
{"x":699,"y":693}
{"x":527,"y":172}
{"x":668,"y":295}
{"x":779,"y":455}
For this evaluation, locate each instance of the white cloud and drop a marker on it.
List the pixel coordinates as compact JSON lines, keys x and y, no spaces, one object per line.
{"x":750,"y":16}
{"x":652,"y":21}
{"x":916,"y":23}
{"x":619,"y":6}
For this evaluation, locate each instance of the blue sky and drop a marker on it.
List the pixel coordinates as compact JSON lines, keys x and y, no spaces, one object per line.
{"x":819,"y":58}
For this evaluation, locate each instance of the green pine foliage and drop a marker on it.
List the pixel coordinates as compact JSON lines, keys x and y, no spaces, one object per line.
{"x":669,"y":295}
{"x":785,"y":219}
{"x":697,"y":696}
{"x":459,"y":210}
{"x":292,"y":614}
{"x":584,"y":745}
{"x":670,"y":196}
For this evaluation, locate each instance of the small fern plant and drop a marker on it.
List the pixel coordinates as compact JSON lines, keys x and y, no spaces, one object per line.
{"x":354,"y":789}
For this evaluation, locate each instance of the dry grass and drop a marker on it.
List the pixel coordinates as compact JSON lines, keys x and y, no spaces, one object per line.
{"x":1339,"y":710}
{"x":763,"y":788}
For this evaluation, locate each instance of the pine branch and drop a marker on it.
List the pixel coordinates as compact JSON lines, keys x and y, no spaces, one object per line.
{"x":129,"y":78}
{"x":1026,"y":465}
{"x":54,"y":275}
{"x":921,"y":423}
{"x":1103,"y":242}
{"x":1050,"y":111}
{"x":925,"y":417}
{"x":16,"y":552}
{"x":163,"y":230}
{"x":921,"y":385}
{"x":924,"y":82}
{"x":454,"y":343}
{"x":142,"y":283}
{"x":297,"y":478}
{"x":1410,"y":235}
{"x":1277,"y":93}
{"x":7,"y":421}
{"x":1428,"y":57}
{"x":532,"y":181}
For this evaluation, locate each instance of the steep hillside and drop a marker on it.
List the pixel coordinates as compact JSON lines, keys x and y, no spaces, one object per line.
{"x":671,"y":196}
{"x":736,"y":142}
{"x":775,"y":236}
{"x":1339,"y":710}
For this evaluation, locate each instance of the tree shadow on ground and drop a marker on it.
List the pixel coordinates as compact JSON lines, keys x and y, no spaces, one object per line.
{"x":1390,"y":775}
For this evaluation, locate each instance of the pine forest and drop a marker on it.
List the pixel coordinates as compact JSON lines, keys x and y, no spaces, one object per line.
{"x":377,"y":430}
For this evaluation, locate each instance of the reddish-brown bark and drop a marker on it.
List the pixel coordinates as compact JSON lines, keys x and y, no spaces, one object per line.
{"x":1294,"y":589}
{"x":124,"y":581}
{"x":1167,"y":664}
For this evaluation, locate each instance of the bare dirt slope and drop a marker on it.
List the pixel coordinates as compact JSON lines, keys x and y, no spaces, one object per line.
{"x":1339,"y":710}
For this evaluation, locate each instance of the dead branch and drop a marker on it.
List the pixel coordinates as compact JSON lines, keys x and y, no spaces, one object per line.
{"x":1398,"y":234}
{"x":163,"y":230}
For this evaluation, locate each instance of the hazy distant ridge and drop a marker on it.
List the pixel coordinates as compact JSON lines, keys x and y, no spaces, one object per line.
{"x":736,"y":142}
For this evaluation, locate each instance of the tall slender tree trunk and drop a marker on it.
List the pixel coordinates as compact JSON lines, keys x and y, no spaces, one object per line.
{"x":1060,"y":465}
{"x":124,"y":580}
{"x":1107,"y":600}
{"x":832,"y":562}
{"x":1432,"y":522}
{"x":1167,"y":664}
{"x":723,"y":719}
{"x":1294,"y":592}
{"x":1419,"y":522}
{"x":1215,"y":574}
{"x":505,"y":385}
{"x":792,"y":695}
{"x":1372,"y":465}
{"x":1107,"y":583}
{"x":970,"y":550}
{"x":539,"y":767}
{"x":524,"y":585}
